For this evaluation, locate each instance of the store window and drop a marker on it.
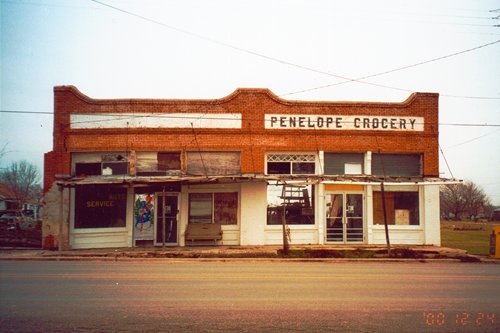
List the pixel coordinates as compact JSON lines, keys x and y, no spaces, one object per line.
{"x":217,"y":207}
{"x":100,"y":207}
{"x":295,"y":202}
{"x":291,"y":164}
{"x":401,"y":208}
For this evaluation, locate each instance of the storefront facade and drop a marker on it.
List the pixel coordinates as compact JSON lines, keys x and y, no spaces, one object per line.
{"x":126,"y":173}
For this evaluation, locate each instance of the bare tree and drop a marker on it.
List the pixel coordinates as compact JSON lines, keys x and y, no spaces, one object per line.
{"x":23,"y":179}
{"x":3,"y":151}
{"x":463,"y":200}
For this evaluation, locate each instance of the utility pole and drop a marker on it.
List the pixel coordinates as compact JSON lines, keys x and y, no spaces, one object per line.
{"x":163,"y":216}
{"x":286,"y":246}
{"x":385,"y":220}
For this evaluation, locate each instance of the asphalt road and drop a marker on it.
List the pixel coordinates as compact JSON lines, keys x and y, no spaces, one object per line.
{"x":169,"y":296}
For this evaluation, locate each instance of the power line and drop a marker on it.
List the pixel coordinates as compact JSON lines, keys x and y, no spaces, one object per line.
{"x":284,"y":62}
{"x":471,"y":140}
{"x":114,"y":117}
{"x":402,"y":68}
{"x":27,"y":112}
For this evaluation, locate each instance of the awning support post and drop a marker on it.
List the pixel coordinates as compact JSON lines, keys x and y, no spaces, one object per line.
{"x":385,"y":220}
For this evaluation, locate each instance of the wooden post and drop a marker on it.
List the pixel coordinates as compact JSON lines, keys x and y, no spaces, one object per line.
{"x":286,"y":246}
{"x":163,"y":216}
{"x":61,"y":219}
{"x":385,"y":220}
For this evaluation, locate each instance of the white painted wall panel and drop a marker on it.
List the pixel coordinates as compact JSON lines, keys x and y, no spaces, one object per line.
{"x":99,"y":240}
{"x":155,"y":120}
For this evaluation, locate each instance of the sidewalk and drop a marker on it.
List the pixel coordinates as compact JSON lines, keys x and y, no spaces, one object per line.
{"x":217,"y":253}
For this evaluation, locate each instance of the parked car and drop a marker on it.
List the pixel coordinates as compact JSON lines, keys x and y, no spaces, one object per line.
{"x":16,"y":220}
{"x":16,"y":217}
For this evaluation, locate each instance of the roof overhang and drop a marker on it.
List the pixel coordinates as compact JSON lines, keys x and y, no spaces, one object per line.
{"x":130,"y":181}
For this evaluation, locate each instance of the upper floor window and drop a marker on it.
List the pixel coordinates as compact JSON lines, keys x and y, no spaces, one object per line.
{"x":398,"y":165}
{"x":291,"y":164}
{"x":158,"y":163}
{"x":214,"y":163}
{"x":344,"y":163}
{"x":100,"y":164}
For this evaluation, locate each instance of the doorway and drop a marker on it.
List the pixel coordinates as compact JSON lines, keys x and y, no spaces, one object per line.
{"x":344,"y":218}
{"x":167,"y":228}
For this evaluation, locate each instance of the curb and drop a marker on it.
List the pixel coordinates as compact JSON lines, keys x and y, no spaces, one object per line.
{"x":222,"y":259}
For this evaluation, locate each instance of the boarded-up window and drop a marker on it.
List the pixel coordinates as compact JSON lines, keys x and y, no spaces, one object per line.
{"x":401,"y":208}
{"x":402,"y":165}
{"x":213,"y":163}
{"x":169,"y":161}
{"x":344,"y":163}
{"x":158,"y":163}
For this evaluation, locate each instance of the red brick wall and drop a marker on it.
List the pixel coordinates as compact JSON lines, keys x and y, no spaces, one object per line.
{"x":252,"y":138}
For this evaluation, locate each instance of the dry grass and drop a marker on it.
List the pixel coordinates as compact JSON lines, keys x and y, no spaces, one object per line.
{"x":474,"y":237}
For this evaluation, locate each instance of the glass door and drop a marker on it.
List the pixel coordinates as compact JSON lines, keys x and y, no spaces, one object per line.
{"x":344,"y":218}
{"x":171,"y":211}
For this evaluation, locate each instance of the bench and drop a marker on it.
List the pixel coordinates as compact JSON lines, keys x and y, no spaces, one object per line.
{"x":203,"y":232}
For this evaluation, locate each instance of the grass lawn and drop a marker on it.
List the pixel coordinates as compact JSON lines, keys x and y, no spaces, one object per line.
{"x":473,"y":241}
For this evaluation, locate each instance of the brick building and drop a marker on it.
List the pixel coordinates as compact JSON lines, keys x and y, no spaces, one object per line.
{"x":133,"y":172}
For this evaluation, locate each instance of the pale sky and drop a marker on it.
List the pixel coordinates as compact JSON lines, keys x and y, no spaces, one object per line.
{"x":207,"y":49}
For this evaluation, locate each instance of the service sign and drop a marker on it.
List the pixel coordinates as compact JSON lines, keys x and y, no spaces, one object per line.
{"x":339,"y":122}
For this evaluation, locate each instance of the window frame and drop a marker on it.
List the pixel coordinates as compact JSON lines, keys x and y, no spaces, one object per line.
{"x":100,"y":160}
{"x":270,"y":208}
{"x":416,"y":212}
{"x":215,"y":206}
{"x":288,"y":158}
{"x":149,"y":163}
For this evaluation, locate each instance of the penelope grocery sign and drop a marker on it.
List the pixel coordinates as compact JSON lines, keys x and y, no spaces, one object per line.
{"x":337,"y":122}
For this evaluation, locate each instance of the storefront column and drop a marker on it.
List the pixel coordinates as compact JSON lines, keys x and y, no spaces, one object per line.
{"x":320,"y":214}
{"x":129,"y":219}
{"x":253,"y":213}
{"x":430,"y":208}
{"x":369,"y":214}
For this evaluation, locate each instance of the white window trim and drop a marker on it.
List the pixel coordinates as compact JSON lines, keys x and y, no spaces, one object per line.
{"x":213,"y":190}
{"x":316,"y":160}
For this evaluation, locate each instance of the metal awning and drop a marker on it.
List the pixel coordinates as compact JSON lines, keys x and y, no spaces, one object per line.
{"x":131,"y":181}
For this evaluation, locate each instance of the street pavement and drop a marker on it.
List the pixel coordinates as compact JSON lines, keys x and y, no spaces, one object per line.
{"x":256,"y":296}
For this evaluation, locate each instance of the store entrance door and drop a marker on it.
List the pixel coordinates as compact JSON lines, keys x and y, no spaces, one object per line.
{"x":344,"y":218}
{"x":170,"y":202}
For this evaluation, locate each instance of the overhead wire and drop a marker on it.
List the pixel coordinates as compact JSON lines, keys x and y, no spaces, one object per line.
{"x":114,"y":117}
{"x":471,"y":140}
{"x":288,"y":63}
{"x":402,"y":68}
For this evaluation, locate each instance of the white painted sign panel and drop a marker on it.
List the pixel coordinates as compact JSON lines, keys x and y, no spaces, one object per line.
{"x":339,"y":122}
{"x":156,"y":120}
